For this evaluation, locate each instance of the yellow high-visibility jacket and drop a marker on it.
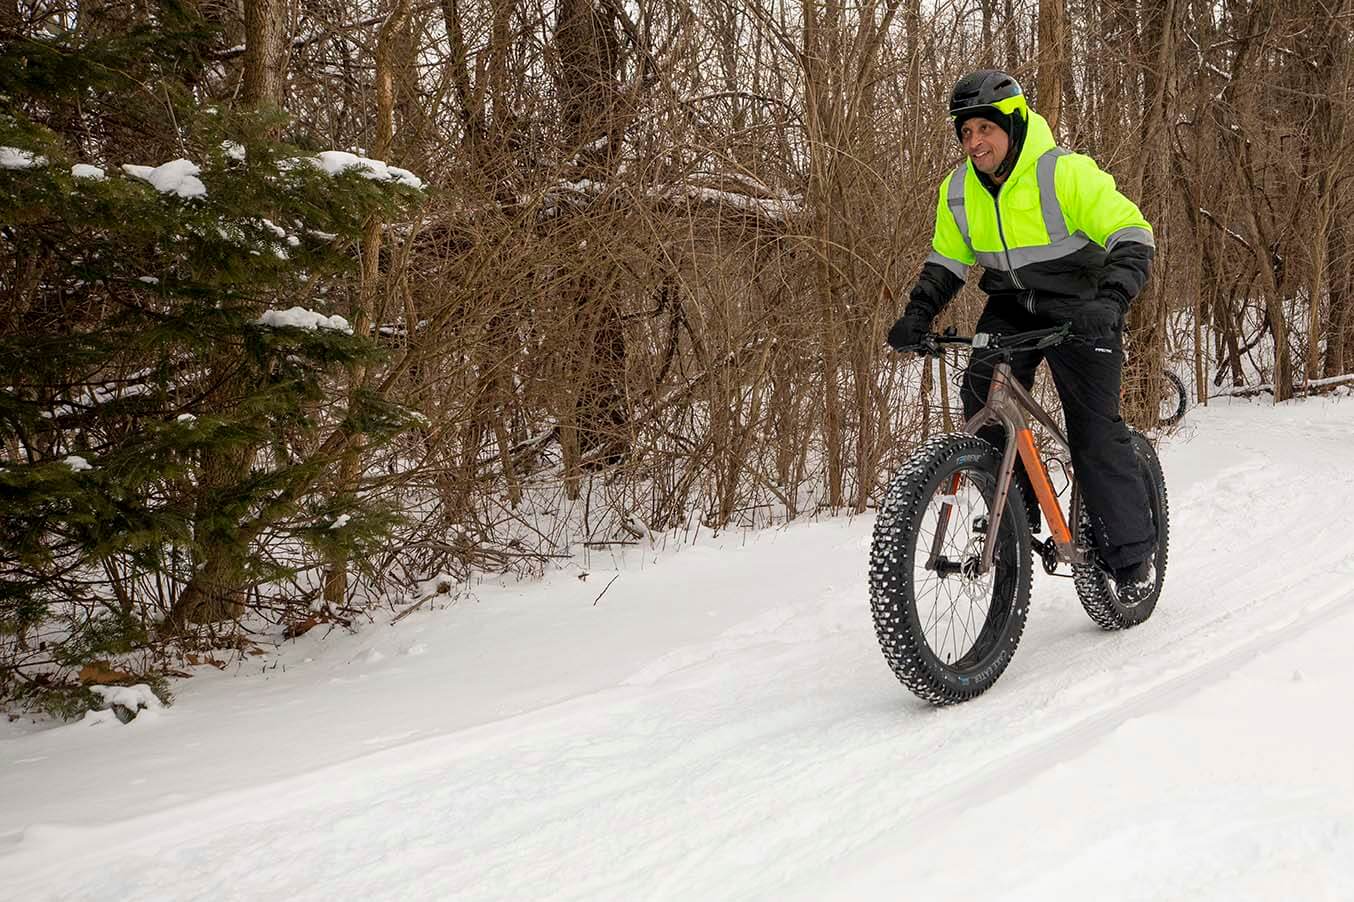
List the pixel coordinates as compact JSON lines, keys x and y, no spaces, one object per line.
{"x":1055,"y":234}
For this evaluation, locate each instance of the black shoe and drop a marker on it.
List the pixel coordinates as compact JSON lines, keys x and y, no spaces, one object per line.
{"x":1135,"y":582}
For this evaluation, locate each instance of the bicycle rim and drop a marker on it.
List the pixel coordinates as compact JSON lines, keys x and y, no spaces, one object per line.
{"x":961,"y":615}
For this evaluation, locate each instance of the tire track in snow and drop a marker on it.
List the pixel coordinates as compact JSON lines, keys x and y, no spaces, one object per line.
{"x":1027,"y":763}
{"x":1194,"y":633}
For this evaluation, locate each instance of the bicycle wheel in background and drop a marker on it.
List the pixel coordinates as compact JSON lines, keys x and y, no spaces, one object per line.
{"x":1173,"y":398}
{"x":946,"y":631}
{"x":1094,"y":586}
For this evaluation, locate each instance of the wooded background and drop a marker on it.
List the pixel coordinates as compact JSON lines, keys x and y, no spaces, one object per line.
{"x":663,"y":240}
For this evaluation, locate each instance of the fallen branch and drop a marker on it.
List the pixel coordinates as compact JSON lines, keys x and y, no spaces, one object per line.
{"x":1310,"y":387}
{"x":603,"y":592}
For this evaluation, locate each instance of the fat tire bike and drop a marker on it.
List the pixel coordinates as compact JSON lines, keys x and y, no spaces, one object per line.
{"x":951,"y":561}
{"x":1173,"y":399}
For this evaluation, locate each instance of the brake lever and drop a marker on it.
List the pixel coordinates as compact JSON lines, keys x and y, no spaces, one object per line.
{"x":927,"y":346}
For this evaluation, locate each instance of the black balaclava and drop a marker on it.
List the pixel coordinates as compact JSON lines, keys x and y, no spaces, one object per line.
{"x":1013,"y":125}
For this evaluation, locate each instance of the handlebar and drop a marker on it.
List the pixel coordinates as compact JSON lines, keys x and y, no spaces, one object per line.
{"x":933,"y":345}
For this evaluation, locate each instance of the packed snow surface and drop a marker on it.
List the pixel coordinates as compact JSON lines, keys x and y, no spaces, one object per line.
{"x":716,"y":722}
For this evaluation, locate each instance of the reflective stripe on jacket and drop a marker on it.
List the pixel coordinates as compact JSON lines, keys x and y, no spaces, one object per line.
{"x":1056,"y":233}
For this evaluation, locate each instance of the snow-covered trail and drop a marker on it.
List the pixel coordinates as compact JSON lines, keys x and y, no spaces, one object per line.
{"x":721,"y":725}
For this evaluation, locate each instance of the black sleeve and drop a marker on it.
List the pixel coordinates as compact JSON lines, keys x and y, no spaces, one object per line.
{"x":1126,"y":271}
{"x":935,"y":287}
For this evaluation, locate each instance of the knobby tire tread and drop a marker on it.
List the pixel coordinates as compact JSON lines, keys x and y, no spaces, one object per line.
{"x":891,"y":561}
{"x":1093,"y":584}
{"x":1178,"y":393}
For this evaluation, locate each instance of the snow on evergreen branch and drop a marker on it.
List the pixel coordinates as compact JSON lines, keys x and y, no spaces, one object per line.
{"x":178,"y":177}
{"x":17,"y":158}
{"x":301,"y":318}
{"x":335,"y":162}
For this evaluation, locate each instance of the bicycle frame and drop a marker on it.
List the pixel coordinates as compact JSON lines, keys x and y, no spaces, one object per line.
{"x":1008,"y":402}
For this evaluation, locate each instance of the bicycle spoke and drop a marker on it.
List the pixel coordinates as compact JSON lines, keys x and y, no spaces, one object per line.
{"x":946,"y":624}
{"x":954,"y":608}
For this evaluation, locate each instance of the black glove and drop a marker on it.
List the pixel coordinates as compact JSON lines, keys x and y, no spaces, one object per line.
{"x":910,"y":329}
{"x":1098,"y":318}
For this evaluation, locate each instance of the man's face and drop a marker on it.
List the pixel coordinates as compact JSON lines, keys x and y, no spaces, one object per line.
{"x":985,"y":143}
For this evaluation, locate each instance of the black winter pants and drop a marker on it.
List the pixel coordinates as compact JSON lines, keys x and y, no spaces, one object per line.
{"x":1087,"y":376}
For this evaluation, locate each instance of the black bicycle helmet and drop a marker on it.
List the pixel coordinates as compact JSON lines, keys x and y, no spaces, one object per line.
{"x":984,"y":88}
{"x":996,"y":96}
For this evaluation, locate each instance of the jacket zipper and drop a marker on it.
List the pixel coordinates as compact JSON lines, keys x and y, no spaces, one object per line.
{"x":1029,"y":300}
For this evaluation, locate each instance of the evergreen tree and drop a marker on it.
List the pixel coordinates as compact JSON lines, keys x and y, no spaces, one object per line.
{"x":169,"y":405}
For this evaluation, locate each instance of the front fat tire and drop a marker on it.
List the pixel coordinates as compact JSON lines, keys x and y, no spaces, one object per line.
{"x":1094,"y":586}
{"x":894,"y":557}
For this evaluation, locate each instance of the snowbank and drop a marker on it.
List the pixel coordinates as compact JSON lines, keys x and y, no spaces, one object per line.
{"x":133,"y":698}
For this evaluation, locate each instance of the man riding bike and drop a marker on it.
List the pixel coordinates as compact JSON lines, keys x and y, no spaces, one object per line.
{"x":1059,"y":244}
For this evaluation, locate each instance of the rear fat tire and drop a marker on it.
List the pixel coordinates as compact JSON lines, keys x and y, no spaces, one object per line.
{"x":895,"y":560}
{"x":1094,"y":586}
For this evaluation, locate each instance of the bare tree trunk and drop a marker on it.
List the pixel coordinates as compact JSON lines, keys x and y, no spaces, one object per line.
{"x":588,"y":46}
{"x":1052,"y":50}
{"x":1012,"y":42}
{"x":1332,"y":82}
{"x":1148,"y":314}
{"x":1273,"y":294}
{"x":1340,"y":337}
{"x":1318,"y":284}
{"x":216,"y":590}
{"x":988,"y":9}
{"x":468,"y":97}
{"x":265,"y":48}
{"x":9,"y":18}
{"x":350,"y":464}
{"x":1226,"y":320}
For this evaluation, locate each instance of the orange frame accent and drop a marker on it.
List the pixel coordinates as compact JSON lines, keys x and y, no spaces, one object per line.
{"x":944,"y":522}
{"x":1043,"y":487}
